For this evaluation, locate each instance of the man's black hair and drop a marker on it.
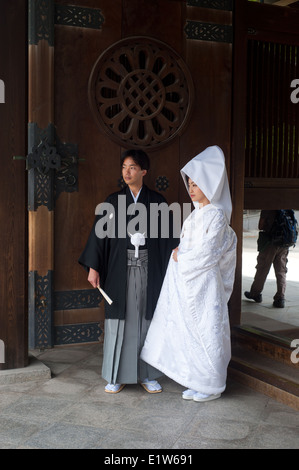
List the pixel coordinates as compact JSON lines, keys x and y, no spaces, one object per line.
{"x":139,"y":157}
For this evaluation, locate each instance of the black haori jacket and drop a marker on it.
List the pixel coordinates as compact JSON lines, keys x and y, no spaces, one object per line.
{"x":108,"y":255}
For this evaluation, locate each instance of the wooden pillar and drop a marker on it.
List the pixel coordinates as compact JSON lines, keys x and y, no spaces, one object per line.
{"x":13,"y":215}
{"x":42,"y":161}
{"x":238,"y":147}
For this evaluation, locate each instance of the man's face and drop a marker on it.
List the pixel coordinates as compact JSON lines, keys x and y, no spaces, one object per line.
{"x":132,"y":173}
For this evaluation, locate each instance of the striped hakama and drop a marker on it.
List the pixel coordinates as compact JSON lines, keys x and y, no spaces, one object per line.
{"x":124,"y":339}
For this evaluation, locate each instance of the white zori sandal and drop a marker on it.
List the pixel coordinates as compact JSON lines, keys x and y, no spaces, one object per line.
{"x":198,"y":396}
{"x":188,"y":394}
{"x":151,"y":386}
{"x":114,"y":388}
{"x":201,"y":397}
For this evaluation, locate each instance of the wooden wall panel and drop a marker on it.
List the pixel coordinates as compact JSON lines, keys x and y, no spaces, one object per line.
{"x":13,"y":119}
{"x":159,"y":20}
{"x":210,"y":63}
{"x":76,"y":51}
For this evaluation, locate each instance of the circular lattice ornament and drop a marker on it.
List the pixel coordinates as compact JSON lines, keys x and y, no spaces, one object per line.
{"x":140,"y":92}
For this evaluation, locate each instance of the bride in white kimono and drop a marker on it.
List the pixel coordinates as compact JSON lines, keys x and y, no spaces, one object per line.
{"x":189,"y":336}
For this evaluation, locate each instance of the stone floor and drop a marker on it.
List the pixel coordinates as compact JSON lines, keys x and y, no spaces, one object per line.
{"x":70,"y":410}
{"x":58,"y":402}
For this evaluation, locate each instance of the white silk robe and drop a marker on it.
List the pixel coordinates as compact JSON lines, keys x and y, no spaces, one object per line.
{"x":189,"y":336}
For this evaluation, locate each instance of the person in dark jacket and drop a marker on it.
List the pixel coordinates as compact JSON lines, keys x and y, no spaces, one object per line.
{"x":269,"y":254}
{"x":130,"y":268}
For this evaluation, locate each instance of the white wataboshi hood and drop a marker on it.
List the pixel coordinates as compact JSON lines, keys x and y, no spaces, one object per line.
{"x":208,"y":171}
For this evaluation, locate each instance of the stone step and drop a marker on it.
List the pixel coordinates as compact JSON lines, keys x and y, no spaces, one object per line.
{"x":35,"y":371}
{"x":266,"y":343}
{"x":265,"y":364}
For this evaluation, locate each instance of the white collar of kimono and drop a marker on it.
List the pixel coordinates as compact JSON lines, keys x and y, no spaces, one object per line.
{"x":135,"y":198}
{"x":208,"y":171}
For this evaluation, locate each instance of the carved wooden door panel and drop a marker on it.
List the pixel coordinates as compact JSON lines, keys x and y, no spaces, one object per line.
{"x":128,"y":74}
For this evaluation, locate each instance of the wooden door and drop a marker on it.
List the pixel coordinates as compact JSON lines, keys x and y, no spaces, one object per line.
{"x":128,"y":73}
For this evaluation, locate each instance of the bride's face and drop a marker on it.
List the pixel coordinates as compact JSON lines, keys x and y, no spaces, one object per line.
{"x":196,"y":193}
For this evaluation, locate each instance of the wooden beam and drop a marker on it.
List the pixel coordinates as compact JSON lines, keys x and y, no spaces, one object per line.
{"x":13,"y":249}
{"x":41,"y":179}
{"x":238,"y":148}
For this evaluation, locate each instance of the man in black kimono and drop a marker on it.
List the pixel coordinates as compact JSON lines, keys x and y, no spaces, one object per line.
{"x":131,"y":277}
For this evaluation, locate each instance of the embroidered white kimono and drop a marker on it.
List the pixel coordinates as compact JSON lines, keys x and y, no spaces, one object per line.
{"x":189,"y":336}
